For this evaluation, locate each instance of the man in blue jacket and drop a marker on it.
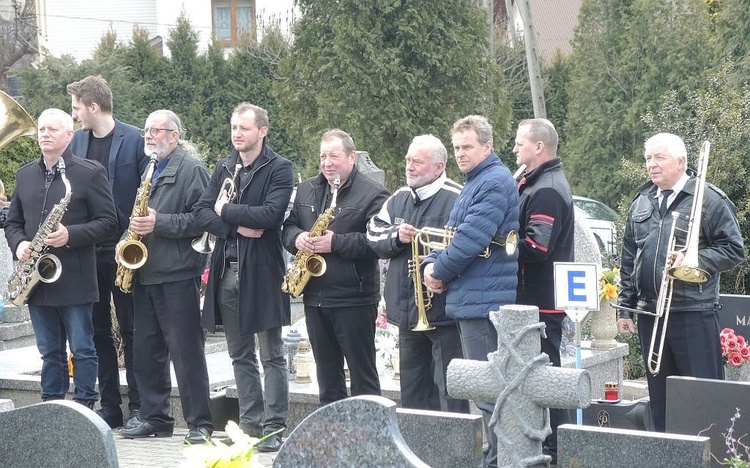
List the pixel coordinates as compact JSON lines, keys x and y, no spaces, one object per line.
{"x":485,"y":211}
{"x":119,"y":148}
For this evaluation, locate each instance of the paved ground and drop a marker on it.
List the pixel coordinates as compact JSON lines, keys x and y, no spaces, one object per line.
{"x":166,"y":452}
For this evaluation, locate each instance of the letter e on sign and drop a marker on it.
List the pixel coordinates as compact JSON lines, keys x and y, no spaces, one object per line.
{"x":576,"y":286}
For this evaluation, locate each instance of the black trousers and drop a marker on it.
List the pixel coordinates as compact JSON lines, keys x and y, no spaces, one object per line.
{"x":691,"y":348}
{"x":338,"y":333}
{"x":424,"y":358}
{"x":551,"y":346}
{"x":168,"y":326}
{"x":106,"y":351}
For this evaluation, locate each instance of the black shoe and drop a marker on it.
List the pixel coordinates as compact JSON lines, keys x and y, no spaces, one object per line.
{"x":270,"y":444}
{"x":134,"y":419}
{"x":145,"y":429}
{"x":111,"y":415}
{"x":198,"y":436}
{"x":87,"y":403}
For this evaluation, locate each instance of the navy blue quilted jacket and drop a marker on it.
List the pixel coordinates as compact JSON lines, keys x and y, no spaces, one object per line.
{"x":487,"y":208}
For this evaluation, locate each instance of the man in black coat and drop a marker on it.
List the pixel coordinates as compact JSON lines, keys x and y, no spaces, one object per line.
{"x":546,"y":230}
{"x":244,"y":286}
{"x":61,"y":310}
{"x":340,"y":305}
{"x":119,"y":148}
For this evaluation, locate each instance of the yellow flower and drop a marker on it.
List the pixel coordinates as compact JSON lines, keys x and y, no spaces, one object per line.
{"x":609,"y":284}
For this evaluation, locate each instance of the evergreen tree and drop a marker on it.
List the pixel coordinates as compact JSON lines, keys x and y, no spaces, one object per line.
{"x":626,"y":55}
{"x":386,"y":72}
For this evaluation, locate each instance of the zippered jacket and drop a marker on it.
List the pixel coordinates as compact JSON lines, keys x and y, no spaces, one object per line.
{"x":645,"y":241}
{"x":352,"y":276}
{"x":405,"y":206}
{"x":546,"y":233}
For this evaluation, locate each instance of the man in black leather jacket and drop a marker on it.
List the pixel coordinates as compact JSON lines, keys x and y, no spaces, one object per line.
{"x":341,"y":304}
{"x":692,"y":346}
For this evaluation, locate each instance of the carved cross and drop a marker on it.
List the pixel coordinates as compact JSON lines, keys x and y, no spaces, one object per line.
{"x":523,"y":385}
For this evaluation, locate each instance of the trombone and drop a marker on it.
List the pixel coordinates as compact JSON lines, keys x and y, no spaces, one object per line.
{"x":688,"y":270}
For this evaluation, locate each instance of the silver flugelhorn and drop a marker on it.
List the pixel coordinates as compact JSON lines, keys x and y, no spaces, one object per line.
{"x":205,"y":243}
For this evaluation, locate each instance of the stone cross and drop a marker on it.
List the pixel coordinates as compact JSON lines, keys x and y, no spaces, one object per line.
{"x":523,"y":385}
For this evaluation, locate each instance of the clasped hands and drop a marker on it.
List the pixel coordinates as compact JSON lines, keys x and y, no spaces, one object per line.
{"x":318,"y":244}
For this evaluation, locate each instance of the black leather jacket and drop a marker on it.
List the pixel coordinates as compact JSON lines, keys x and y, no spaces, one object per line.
{"x":352,"y":277}
{"x":645,"y":246}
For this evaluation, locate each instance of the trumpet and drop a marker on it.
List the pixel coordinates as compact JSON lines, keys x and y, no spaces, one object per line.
{"x":205,"y":243}
{"x":422,"y":298}
{"x":444,"y":236}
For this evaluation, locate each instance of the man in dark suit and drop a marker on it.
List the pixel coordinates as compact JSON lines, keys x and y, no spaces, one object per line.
{"x":61,"y":310}
{"x":119,"y":148}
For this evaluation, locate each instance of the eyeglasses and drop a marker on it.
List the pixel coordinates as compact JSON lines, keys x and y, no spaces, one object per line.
{"x":153,"y":131}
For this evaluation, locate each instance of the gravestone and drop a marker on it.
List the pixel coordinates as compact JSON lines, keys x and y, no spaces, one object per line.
{"x":735,"y":313}
{"x":705,"y":406}
{"x":584,"y":446}
{"x":523,"y":385}
{"x":358,"y":431}
{"x":366,"y":166}
{"x":442,"y":439}
{"x":57,"y":433}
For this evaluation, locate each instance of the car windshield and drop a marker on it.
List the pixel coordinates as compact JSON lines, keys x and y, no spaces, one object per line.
{"x":595,"y":209}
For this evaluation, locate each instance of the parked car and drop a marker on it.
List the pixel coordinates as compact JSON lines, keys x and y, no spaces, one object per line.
{"x":601,"y":220}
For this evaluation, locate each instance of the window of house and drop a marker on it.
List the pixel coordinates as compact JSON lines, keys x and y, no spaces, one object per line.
{"x":232,"y":19}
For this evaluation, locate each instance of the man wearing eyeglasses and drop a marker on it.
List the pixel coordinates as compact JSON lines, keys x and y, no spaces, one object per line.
{"x":119,"y":148}
{"x":166,"y":289}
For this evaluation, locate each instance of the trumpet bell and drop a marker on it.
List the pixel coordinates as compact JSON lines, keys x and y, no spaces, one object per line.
{"x":204,"y":244}
{"x":422,"y":325}
{"x":511,"y":243}
{"x":690,"y":274}
{"x":133,"y":254}
{"x":316,"y":265}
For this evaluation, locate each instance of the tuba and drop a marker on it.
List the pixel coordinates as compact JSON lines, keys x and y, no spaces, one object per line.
{"x":40,"y":266}
{"x":14,"y":120}
{"x":205,"y":243}
{"x":307,"y":264}
{"x":132,"y":252}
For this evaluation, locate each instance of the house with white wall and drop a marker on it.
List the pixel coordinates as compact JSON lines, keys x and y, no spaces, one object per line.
{"x":75,"y":27}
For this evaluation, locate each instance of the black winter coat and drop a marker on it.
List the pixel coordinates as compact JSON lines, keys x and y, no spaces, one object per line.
{"x":263,"y":200}
{"x":90,"y":218}
{"x":546,"y":233}
{"x":352,"y":277}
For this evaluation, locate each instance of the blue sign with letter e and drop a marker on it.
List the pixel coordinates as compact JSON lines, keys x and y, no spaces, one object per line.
{"x":576,"y":286}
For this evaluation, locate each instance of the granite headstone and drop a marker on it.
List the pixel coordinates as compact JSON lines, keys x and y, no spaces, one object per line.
{"x":706,"y":407}
{"x":359,"y":431}
{"x":57,"y":433}
{"x":583,"y":446}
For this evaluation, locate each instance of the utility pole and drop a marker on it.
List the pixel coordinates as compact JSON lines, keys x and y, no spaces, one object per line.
{"x":532,"y":59}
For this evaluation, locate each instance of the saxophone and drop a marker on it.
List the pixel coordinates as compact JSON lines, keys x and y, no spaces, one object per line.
{"x":133,"y":253}
{"x":308,"y":264}
{"x":40,"y":266}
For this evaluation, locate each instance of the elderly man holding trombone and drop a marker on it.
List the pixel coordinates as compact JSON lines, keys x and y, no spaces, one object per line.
{"x":680,"y":234}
